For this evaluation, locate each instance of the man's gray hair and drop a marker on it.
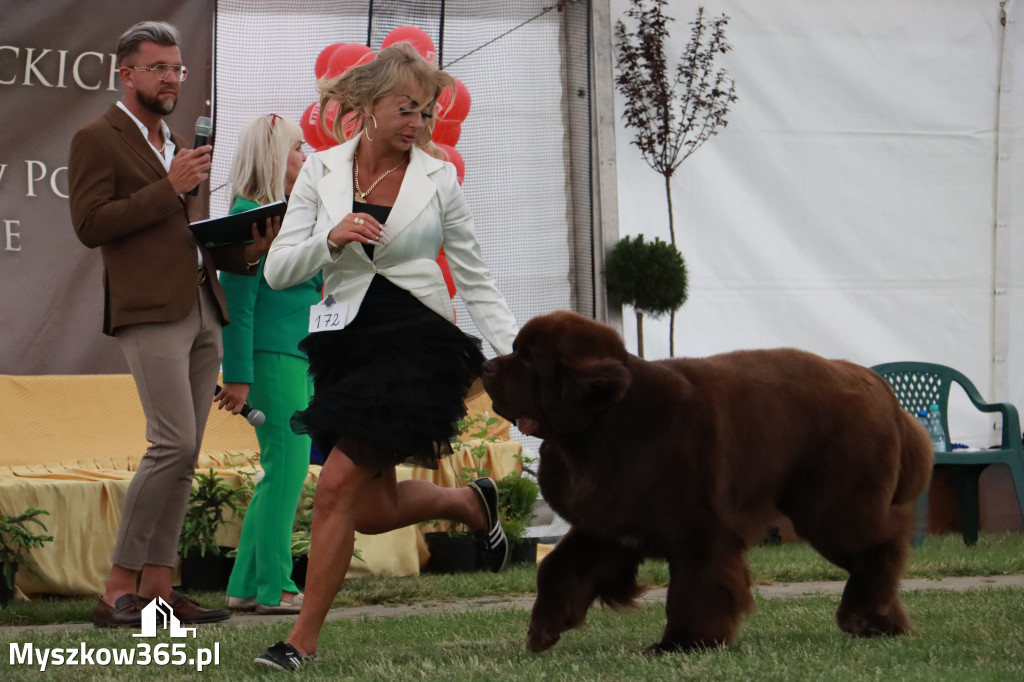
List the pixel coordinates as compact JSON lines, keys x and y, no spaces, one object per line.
{"x":158,"y":32}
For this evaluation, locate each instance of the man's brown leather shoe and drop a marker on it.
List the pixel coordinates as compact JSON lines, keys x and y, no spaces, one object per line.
{"x":126,"y":611}
{"x":190,"y":612}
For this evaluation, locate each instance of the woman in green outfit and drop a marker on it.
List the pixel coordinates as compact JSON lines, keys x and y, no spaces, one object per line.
{"x":263,"y":365}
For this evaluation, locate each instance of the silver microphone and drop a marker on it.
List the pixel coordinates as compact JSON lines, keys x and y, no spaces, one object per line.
{"x":251,"y":414}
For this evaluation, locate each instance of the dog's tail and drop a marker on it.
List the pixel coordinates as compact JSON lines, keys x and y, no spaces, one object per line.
{"x":916,"y":458}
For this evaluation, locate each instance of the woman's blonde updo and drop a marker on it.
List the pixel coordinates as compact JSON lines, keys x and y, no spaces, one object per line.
{"x":395,"y":66}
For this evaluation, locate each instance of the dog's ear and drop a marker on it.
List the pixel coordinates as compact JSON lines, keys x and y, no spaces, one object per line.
{"x":595,"y":384}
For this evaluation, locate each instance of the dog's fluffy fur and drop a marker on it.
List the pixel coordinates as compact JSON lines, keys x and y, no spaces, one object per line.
{"x":692,"y":459}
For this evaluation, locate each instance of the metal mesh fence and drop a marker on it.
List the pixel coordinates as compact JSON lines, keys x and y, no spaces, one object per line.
{"x":525,"y":143}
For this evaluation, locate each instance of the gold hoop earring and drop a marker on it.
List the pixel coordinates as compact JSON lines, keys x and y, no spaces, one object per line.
{"x":366,"y":129}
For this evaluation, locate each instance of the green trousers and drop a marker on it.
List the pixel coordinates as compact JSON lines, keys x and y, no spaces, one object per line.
{"x":263,"y":567}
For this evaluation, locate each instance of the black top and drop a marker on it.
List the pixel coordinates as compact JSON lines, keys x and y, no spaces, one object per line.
{"x":379,"y":213}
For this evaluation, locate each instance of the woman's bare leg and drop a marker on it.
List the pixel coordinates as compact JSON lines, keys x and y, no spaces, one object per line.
{"x":389,"y":504}
{"x":338,"y":492}
{"x":350,"y":497}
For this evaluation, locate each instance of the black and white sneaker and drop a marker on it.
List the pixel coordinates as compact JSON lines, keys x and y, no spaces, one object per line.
{"x":283,"y":656}
{"x":495,"y":545}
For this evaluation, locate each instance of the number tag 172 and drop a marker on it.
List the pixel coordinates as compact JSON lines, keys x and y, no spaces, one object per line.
{"x":327,"y":315}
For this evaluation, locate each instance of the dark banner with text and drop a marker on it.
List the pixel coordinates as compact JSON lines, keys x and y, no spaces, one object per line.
{"x":57,"y":73}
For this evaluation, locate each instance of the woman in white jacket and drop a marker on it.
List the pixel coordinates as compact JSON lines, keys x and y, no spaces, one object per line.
{"x":390,"y":370}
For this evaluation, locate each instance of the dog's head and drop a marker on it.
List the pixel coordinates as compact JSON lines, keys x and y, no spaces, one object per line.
{"x":564,"y":372}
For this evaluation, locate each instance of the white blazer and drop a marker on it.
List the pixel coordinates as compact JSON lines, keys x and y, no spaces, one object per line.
{"x":429,"y":212}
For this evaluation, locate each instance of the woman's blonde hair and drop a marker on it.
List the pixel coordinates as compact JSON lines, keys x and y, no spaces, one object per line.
{"x":261,"y":159}
{"x":360,"y":87}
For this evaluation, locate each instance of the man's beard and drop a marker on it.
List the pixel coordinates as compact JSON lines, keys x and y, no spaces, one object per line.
{"x":160,"y":107}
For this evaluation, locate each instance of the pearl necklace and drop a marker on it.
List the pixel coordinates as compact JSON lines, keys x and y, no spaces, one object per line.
{"x":360,"y":194}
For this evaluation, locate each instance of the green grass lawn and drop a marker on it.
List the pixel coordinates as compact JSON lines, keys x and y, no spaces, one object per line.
{"x":976,"y":635}
{"x":940,"y":556}
{"x":957,"y":636}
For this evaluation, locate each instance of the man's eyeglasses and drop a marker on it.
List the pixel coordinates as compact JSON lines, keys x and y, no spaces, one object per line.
{"x":163,"y":70}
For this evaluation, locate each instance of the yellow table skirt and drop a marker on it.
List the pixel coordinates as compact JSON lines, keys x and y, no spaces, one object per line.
{"x":69,"y":444}
{"x":85,"y":498}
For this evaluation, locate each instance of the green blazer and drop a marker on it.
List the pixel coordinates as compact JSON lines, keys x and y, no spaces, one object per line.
{"x":263,"y":319}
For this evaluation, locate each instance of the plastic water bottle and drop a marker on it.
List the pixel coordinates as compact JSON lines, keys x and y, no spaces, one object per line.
{"x":922,"y":417}
{"x":935,"y":429}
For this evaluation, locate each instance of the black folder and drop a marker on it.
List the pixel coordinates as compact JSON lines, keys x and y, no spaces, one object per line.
{"x":236,"y":228}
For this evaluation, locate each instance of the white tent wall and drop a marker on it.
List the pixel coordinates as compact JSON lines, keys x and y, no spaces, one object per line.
{"x":513,"y":141}
{"x":849,"y":207}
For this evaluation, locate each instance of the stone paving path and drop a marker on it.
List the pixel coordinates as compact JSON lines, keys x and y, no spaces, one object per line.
{"x":654,"y":596}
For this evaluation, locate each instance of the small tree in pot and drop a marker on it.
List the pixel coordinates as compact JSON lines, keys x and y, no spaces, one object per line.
{"x":16,"y":540}
{"x":517,"y":496}
{"x":213,"y":503}
{"x":649,"y":276}
{"x":671,"y":111}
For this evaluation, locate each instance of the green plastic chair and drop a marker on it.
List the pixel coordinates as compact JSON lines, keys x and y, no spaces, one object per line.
{"x":918,"y":385}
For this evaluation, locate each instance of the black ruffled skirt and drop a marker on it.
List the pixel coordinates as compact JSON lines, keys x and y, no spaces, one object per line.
{"x":390,"y":387}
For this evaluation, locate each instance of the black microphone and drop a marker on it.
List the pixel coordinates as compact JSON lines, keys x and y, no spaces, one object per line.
{"x":204,"y":128}
{"x":252,"y":415}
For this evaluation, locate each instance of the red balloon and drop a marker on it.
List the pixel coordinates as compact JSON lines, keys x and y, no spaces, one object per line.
{"x":366,"y":58}
{"x":456,"y":159}
{"x":417,"y":37}
{"x":455,"y":110}
{"x":324,"y":58}
{"x":345,"y":57}
{"x":442,"y":260}
{"x":310,"y":124}
{"x":446,"y":132}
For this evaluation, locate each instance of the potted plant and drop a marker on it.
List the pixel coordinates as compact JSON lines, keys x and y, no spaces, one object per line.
{"x":451,"y":551}
{"x":452,"y":548}
{"x":671,"y":110}
{"x":650,"y":276}
{"x":205,"y":565}
{"x":517,"y":496}
{"x":16,"y":540}
{"x":473,"y":434}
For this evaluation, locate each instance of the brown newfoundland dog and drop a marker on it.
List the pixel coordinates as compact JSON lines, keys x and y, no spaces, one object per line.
{"x":692,"y":459}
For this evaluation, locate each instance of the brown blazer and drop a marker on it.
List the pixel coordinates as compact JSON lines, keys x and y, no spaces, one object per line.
{"x":122,"y":202}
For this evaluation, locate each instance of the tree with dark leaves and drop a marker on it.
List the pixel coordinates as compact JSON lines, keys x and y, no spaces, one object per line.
{"x":671,"y":112}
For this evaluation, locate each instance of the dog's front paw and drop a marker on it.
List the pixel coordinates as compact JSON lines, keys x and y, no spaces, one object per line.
{"x":882,"y":622}
{"x":653,"y":650}
{"x":662,"y":648}
{"x":668,"y":646}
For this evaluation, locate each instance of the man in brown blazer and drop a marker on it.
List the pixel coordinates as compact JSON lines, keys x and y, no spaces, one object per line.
{"x":129,"y":178}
